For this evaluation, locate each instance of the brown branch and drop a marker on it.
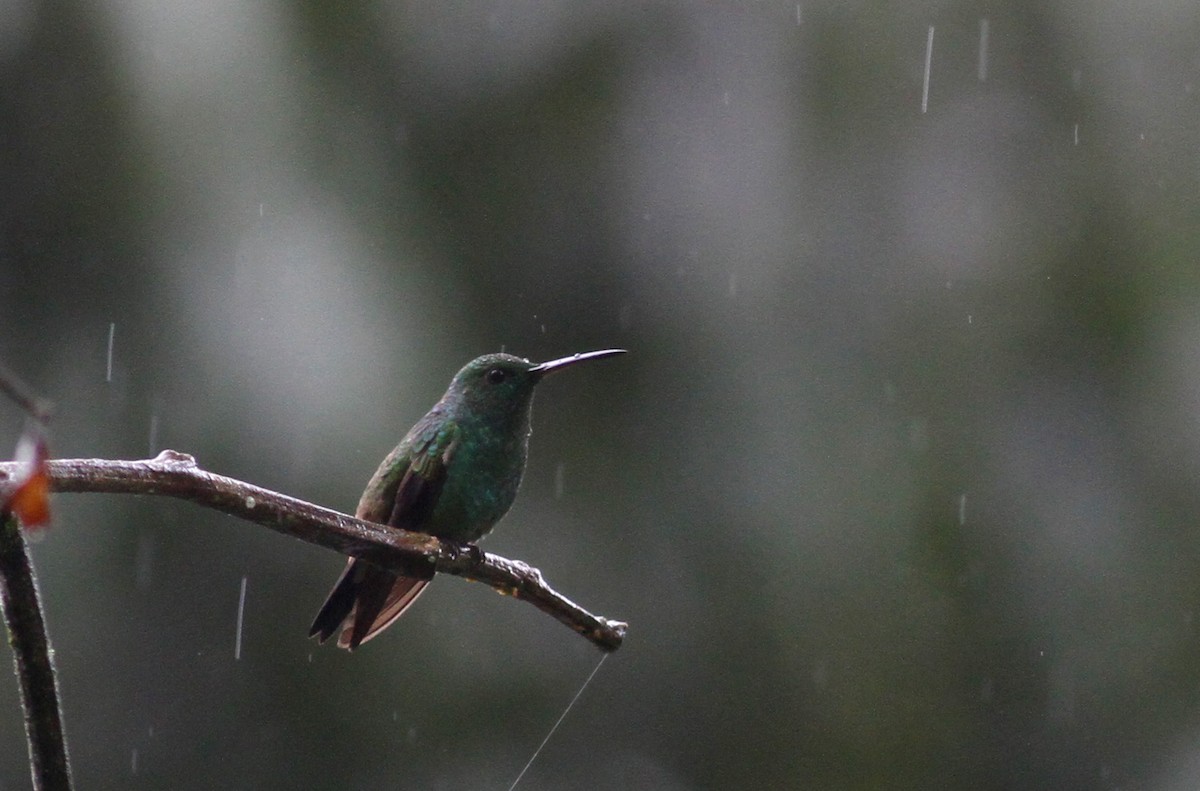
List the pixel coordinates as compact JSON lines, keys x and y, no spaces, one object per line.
{"x":32,"y":657}
{"x":175,"y":474}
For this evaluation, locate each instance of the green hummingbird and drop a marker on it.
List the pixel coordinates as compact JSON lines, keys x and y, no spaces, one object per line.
{"x":453,"y":476}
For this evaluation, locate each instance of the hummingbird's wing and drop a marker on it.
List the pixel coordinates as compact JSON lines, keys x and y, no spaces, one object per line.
{"x":366,"y":599}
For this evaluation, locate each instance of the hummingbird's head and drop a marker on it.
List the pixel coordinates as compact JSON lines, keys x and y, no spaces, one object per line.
{"x":500,"y":382}
{"x":493,"y":381}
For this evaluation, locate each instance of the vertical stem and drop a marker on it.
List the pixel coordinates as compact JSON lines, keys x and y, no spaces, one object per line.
{"x":31,"y":655}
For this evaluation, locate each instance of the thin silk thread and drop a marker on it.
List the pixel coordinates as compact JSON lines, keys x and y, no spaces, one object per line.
{"x":562,"y":717}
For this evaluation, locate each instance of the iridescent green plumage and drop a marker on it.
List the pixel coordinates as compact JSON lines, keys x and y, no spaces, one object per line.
{"x":454,"y":475}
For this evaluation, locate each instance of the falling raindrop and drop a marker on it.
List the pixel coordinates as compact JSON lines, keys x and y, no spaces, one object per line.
{"x":928,"y":63}
{"x":983,"y":48}
{"x":1076,"y":134}
{"x":152,"y":442}
{"x":237,"y":646}
{"x":112,"y":331}
{"x":962,"y":508}
{"x":799,"y":14}
{"x":733,"y":284}
{"x":559,"y":472}
{"x":133,"y":761}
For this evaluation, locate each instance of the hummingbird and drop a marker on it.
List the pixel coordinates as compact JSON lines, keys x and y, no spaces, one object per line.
{"x":453,"y":476}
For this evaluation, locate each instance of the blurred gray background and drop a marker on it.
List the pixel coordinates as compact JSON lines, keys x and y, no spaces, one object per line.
{"x":898,"y":488}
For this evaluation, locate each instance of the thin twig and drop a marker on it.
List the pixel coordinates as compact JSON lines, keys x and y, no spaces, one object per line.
{"x":174,"y":474}
{"x":19,"y":600}
{"x":11,"y":385}
{"x":32,"y":658}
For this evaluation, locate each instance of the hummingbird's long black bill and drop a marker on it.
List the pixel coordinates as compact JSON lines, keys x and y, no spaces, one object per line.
{"x":544,"y":368}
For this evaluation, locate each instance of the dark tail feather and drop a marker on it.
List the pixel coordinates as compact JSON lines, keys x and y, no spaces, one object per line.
{"x":380,"y":602}
{"x":364,"y":601}
{"x":338,"y":604}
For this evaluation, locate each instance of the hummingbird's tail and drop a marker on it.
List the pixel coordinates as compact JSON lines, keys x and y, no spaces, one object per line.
{"x":364,"y":602}
{"x":370,"y":621}
{"x":338,"y":604}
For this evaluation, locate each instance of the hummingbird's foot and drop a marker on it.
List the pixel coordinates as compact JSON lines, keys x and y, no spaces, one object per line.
{"x":473,"y":552}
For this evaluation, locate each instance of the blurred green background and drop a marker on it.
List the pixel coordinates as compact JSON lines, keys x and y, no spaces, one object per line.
{"x":898,"y":488}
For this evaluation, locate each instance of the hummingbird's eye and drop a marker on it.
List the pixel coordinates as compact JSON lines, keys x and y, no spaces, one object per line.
{"x":496,"y":375}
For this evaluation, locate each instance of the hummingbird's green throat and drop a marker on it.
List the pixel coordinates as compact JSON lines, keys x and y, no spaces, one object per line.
{"x":454,"y":475}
